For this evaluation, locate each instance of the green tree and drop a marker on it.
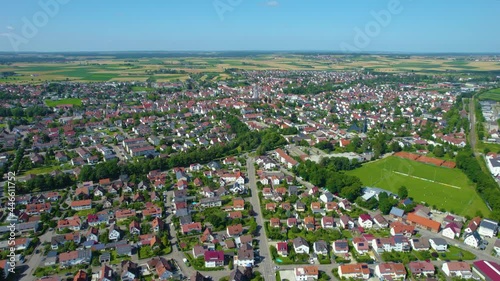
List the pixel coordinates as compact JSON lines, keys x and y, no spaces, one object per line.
{"x":438,"y":151}
{"x":403,"y":192}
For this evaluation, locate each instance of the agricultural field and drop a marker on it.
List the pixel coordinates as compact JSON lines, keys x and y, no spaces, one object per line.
{"x":438,"y":186}
{"x":110,"y":68}
{"x":493,"y":94}
{"x":73,"y":101}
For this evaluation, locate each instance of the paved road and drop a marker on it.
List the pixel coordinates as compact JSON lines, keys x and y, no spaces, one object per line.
{"x":472,"y":119}
{"x":266,"y":267}
{"x":35,"y":259}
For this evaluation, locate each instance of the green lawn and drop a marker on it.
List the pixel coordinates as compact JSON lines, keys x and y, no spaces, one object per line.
{"x":493,"y":94}
{"x":73,"y":101}
{"x":42,"y":170}
{"x":441,"y":187}
{"x":455,"y":253}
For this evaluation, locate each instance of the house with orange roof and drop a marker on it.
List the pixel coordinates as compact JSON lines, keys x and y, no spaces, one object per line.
{"x":422,"y":222}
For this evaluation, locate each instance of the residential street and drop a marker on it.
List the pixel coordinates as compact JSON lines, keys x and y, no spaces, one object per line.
{"x":266,"y":266}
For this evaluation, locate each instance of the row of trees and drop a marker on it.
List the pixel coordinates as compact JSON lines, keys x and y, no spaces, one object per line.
{"x":485,"y":184}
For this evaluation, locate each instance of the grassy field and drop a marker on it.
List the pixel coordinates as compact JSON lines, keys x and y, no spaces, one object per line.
{"x":493,"y":94}
{"x":441,"y":187}
{"x":107,"y":68}
{"x":73,"y":101}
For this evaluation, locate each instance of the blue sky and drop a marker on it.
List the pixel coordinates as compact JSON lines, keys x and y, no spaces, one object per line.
{"x":178,"y":25}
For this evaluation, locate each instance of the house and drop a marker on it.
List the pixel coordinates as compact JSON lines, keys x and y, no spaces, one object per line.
{"x":124,"y":250}
{"x":74,"y":223}
{"x":162,"y":267}
{"x":420,"y":244}
{"x":300,"y":246}
{"x":457,"y":269}
{"x":451,"y":230}
{"x":235,"y":275}
{"x":496,"y":247}
{"x":81,"y":205}
{"x":473,"y":225}
{"x":340,"y":247}
{"x":356,"y":271}
{"x":129,"y":270}
{"x":106,"y":274}
{"x":214,"y":258}
{"x":397,"y":213}
{"x":428,"y":224}
{"x":309,"y":223}
{"x":320,"y":248}
{"x":75,"y":257}
{"x":234,"y":230}
{"x":346,"y":222}
{"x":6,"y":268}
{"x":361,"y":246}
{"x":284,"y":158}
{"x":211,"y":202}
{"x":291,"y":222}
{"x":38,"y":208}
{"x":306,"y":273}
{"x":421,"y":268}
{"x":81,"y":275}
{"x":245,"y":256}
{"x":198,"y":251}
{"x":486,"y":270}
{"x":327,"y":222}
{"x":326,"y":197}
{"x":191,"y":227}
{"x":390,"y":271}
{"x":114,"y":232}
{"x":157,"y":224}
{"x":282,"y":249}
{"x":134,"y":228}
{"x":399,"y":228}
{"x":238,"y":204}
{"x":472,"y":239}
{"x":488,"y":228}
{"x":365,"y":221}
{"x":380,"y":221}
{"x":274,"y":222}
{"x":51,"y":258}
{"x":396,"y":243}
{"x":438,"y":244}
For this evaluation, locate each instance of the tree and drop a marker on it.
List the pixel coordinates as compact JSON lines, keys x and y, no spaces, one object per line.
{"x":403,"y":192}
{"x":438,"y":151}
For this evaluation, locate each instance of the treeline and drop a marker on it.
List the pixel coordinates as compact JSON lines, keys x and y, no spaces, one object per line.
{"x":485,"y":185}
{"x":311,"y":89}
{"x":45,"y":183}
{"x":331,"y":177}
{"x":32,"y":111}
{"x":165,"y":71}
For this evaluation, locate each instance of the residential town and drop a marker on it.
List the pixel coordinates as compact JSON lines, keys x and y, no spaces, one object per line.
{"x":155,"y":181}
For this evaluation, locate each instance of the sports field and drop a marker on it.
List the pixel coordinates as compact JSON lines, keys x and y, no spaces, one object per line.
{"x":493,"y":94}
{"x":443,"y":187}
{"x":73,"y":101}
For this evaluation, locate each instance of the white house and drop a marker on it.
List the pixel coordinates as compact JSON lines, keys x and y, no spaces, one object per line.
{"x":300,"y":246}
{"x":451,"y":230}
{"x":488,"y":228}
{"x":365,"y":221}
{"x":457,"y":269}
{"x":438,"y":244}
{"x":320,"y":247}
{"x":472,"y":239}
{"x":114,"y":232}
{"x":306,"y":273}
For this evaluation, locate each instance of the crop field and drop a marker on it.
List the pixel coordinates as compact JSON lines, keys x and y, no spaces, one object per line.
{"x":73,"y":101}
{"x":493,"y":94}
{"x":438,"y":186}
{"x":108,"y":68}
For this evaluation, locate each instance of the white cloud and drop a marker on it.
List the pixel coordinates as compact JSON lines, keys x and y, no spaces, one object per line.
{"x":272,"y":3}
{"x":10,"y":27}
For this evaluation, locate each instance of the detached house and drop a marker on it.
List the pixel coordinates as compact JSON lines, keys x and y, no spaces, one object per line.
{"x":365,"y":221}
{"x":390,"y":271}
{"x":214,"y":259}
{"x":457,"y":269}
{"x":300,"y":246}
